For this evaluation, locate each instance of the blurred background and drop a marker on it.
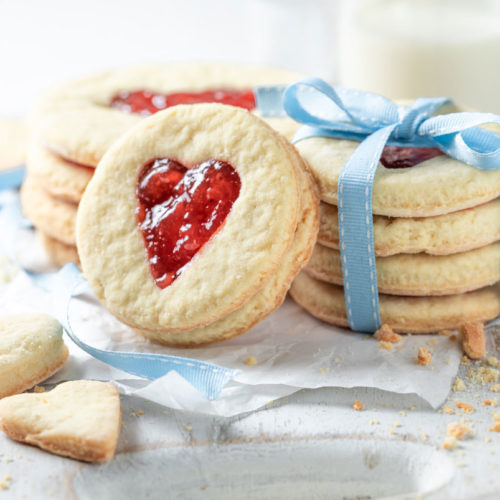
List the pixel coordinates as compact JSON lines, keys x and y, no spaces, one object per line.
{"x":400,"y":48}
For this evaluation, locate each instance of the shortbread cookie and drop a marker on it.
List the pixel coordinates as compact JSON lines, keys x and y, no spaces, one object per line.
{"x":403,"y":314}
{"x":438,"y":185}
{"x":61,"y":178}
{"x":13,"y":139}
{"x":419,"y":274}
{"x":54,"y":217}
{"x":80,"y":120}
{"x":213,"y":192}
{"x":79,"y":419}
{"x":439,"y":235}
{"x":272,"y":295}
{"x":59,"y":252}
{"x":31,"y":350}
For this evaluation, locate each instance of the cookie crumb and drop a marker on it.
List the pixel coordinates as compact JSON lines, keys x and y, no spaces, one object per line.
{"x":453,"y":337}
{"x":373,"y":421}
{"x":495,"y":388}
{"x":473,"y":340}
{"x":496,"y":416}
{"x":450,"y":443}
{"x":448,"y":409}
{"x":385,"y":345}
{"x":188,"y":428}
{"x":492,"y":361}
{"x":446,"y":333}
{"x":251,"y":361}
{"x":386,"y":334}
{"x":392,"y":431}
{"x":402,"y":413}
{"x":396,"y":424}
{"x":489,"y":402}
{"x":465,"y":407}
{"x":358,"y":405}
{"x":459,"y":385}
{"x":424,"y":357}
{"x":458,"y":431}
{"x":38,"y":389}
{"x":495,"y":427}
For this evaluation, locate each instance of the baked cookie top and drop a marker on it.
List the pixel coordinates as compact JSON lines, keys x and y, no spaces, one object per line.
{"x":129,"y":241}
{"x":81,"y":119}
{"x":409,"y":182}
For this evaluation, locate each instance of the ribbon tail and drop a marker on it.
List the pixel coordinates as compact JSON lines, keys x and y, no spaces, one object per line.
{"x":269,"y":100}
{"x":207,"y":378}
{"x":356,"y":233}
{"x":12,"y":178}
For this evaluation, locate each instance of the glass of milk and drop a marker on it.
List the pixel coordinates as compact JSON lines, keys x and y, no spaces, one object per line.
{"x":412,"y":48}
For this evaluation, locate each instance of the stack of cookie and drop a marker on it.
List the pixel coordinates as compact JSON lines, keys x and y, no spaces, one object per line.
{"x":436,"y":238}
{"x":74,"y":125}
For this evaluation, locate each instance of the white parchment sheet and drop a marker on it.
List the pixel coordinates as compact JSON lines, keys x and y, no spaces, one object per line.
{"x":292,"y":350}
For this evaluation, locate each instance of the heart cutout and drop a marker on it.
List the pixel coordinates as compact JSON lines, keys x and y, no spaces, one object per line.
{"x":79,"y":419}
{"x":180,"y":209}
{"x":147,"y":102}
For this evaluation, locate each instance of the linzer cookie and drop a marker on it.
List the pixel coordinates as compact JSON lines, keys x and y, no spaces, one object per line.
{"x":80,"y":120}
{"x":403,"y":314}
{"x":195,"y":223}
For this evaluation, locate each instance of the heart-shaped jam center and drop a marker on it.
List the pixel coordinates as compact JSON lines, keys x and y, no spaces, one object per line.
{"x":146,"y":102}
{"x":180,"y":209}
{"x":403,"y":157}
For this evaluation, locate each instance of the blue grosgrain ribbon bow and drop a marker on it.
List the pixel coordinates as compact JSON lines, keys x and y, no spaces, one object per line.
{"x":374,"y":121}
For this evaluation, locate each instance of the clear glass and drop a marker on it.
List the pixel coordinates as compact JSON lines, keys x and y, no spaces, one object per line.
{"x":411,"y":48}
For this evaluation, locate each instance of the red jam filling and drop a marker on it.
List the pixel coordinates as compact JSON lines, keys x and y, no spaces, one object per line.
{"x":402,"y":157}
{"x":180,"y":209}
{"x":146,"y":102}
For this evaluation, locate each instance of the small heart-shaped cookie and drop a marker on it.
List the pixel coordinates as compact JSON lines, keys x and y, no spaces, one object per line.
{"x":80,"y":419}
{"x":31,"y":350}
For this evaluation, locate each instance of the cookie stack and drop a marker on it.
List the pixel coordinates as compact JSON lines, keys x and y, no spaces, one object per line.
{"x":74,"y":125}
{"x":436,"y":238}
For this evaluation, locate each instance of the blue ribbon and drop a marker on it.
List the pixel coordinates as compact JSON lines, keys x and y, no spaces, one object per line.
{"x":375,"y":121}
{"x":12,"y":178}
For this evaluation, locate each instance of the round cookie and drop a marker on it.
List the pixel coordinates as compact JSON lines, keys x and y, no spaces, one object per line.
{"x":418,"y":274}
{"x":236,"y":261}
{"x":61,"y":178}
{"x":272,"y":295}
{"x":59,"y":252}
{"x":13,"y":139}
{"x":440,"y":235}
{"x":51,"y":215}
{"x":403,"y":314}
{"x":77,"y":121}
{"x":31,"y":350}
{"x":439,"y":185}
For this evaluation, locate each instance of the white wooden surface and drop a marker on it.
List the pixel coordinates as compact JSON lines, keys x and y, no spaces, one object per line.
{"x":310,"y":445}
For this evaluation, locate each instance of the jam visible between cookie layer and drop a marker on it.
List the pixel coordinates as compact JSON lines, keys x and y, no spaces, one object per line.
{"x":403,"y":157}
{"x":180,"y":209}
{"x":146,"y":102}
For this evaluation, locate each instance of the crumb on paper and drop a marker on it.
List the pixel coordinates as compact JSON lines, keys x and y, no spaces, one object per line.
{"x":492,"y":361}
{"x":251,"y":361}
{"x":403,"y":413}
{"x":448,"y":410}
{"x":358,"y":405}
{"x":453,"y":337}
{"x":496,"y":416}
{"x":490,"y":402}
{"x":38,"y":389}
{"x":450,"y":443}
{"x":386,"y":334}
{"x":484,"y":375}
{"x":446,"y":333}
{"x":373,"y":421}
{"x":385,"y":345}
{"x":396,"y":424}
{"x":188,"y":427}
{"x":465,"y":407}
{"x":487,"y":439}
{"x":495,"y":388}
{"x":424,"y":357}
{"x":432,"y":342}
{"x":473,"y":340}
{"x":324,"y":371}
{"x":464,"y":360}
{"x":392,"y":431}
{"x":495,"y":427}
{"x":459,"y":385}
{"x":458,"y":431}
{"x":136,"y":413}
